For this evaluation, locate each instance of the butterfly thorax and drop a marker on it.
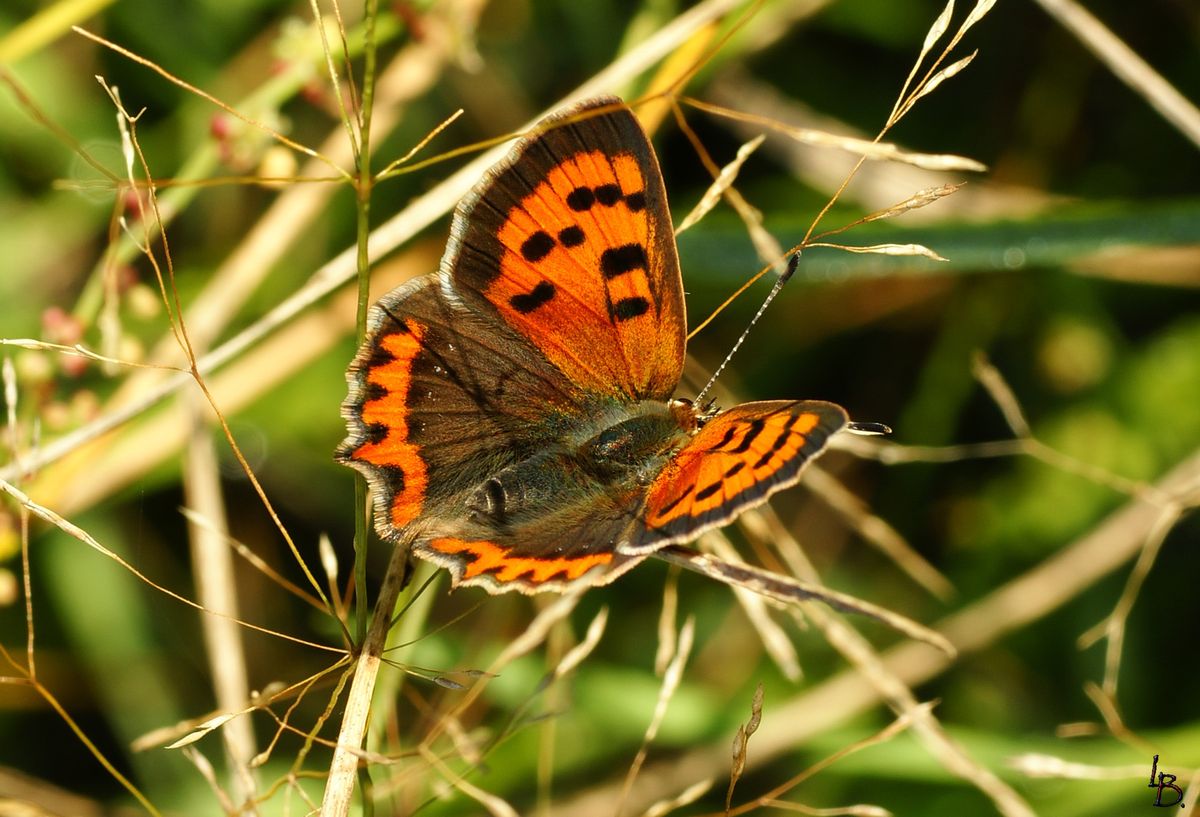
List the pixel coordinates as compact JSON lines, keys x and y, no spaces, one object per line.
{"x":610,"y":456}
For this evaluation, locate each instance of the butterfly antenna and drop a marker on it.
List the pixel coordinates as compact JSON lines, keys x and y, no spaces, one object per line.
{"x":793,"y":262}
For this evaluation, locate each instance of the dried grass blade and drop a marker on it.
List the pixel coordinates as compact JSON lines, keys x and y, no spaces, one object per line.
{"x":888,"y":249}
{"x":789,"y":590}
{"x":774,"y":639}
{"x":666,"y":691}
{"x":741,"y":742}
{"x":721,"y":184}
{"x":939,"y":27}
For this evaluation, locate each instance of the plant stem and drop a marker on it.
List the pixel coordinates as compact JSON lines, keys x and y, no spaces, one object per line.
{"x":339,"y":788}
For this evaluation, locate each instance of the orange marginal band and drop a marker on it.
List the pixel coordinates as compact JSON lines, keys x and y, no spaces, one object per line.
{"x":731,"y":461}
{"x":399,"y":458}
{"x":490,"y":557}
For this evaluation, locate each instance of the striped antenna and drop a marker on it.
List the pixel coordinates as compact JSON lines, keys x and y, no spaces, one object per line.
{"x":793,"y":262}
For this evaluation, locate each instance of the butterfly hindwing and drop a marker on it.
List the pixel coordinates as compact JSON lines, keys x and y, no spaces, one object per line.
{"x":737,"y":460}
{"x":574,"y":541}
{"x":569,"y":242}
{"x":440,"y":396}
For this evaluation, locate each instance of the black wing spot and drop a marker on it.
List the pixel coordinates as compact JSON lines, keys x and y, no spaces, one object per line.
{"x":725,"y":438}
{"x":670,"y":506}
{"x":570,"y":236}
{"x":373,"y":392}
{"x":627,"y":308}
{"x":394,"y":475}
{"x":527,"y":302}
{"x":608,"y":194}
{"x":581,"y":198}
{"x":706,"y":492}
{"x":537,"y":246}
{"x":779,"y":443}
{"x":376,"y":434}
{"x":379,"y":356}
{"x":756,"y":428}
{"x":735,"y":469}
{"x":620,"y":260}
{"x":636,"y":202}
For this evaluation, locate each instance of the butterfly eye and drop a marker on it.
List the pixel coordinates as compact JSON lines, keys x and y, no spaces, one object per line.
{"x":491,"y":501}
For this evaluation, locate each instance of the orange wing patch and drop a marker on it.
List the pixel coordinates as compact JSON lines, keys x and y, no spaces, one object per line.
{"x":575,"y":275}
{"x":385,"y":416}
{"x":489,"y":558}
{"x":729,"y":458}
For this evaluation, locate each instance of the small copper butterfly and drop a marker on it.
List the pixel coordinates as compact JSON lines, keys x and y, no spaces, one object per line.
{"x":513,"y":412}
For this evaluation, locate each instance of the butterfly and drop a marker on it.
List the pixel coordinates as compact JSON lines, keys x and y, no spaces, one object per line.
{"x":513,"y":412}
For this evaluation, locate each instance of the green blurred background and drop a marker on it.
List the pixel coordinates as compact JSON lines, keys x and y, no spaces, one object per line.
{"x":1073,"y":265}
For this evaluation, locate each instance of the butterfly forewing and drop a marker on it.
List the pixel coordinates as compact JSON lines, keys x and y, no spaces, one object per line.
{"x":570,"y":243}
{"x":737,"y":460}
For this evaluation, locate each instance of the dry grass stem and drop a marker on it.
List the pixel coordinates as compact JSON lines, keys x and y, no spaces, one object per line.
{"x":893,"y":689}
{"x":343,"y":768}
{"x":495,"y":806}
{"x":725,"y":179}
{"x":1000,"y":392}
{"x":767,"y":247}
{"x":666,"y":623}
{"x":666,"y":691}
{"x":685,"y":798}
{"x":990,"y":378}
{"x":79,"y":533}
{"x":900,"y":724}
{"x":212,"y":565}
{"x":1011,"y":607}
{"x":857,"y":810}
{"x":209,"y":775}
{"x":888,"y":181}
{"x":533,"y":635}
{"x":915,"y":89}
{"x":1114,"y":721}
{"x":329,"y":565}
{"x":421,"y":145}
{"x":916,"y":201}
{"x":1049,"y":766}
{"x":1127,"y":65}
{"x":252,"y":558}
{"x":787,"y":591}
{"x":659,"y":98}
{"x":877,"y":531}
{"x":575,"y":656}
{"x":12,"y":431}
{"x":857,"y":146}
{"x":1113,"y":627}
{"x":187,"y":86}
{"x":741,"y":742}
{"x":351,"y":114}
{"x":886,"y":249}
{"x":774,"y":639}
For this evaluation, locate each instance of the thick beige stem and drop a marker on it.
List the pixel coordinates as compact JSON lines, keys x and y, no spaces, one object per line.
{"x":216,"y":590}
{"x":339,"y":789}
